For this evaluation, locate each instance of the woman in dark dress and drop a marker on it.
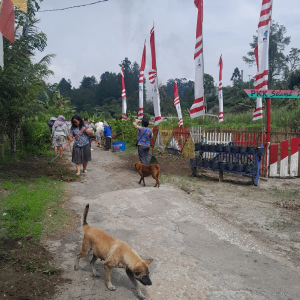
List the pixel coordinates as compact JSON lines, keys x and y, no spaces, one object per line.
{"x":81,"y":154}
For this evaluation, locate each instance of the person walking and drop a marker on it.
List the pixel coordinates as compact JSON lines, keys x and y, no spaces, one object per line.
{"x":81,"y":153}
{"x":143,"y":142}
{"x":86,"y":122}
{"x":59,"y":134}
{"x":107,"y":135}
{"x":93,"y":125}
{"x":51,"y":122}
{"x":99,"y":127}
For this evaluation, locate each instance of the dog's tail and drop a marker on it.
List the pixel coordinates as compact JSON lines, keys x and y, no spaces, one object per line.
{"x":85,"y":213}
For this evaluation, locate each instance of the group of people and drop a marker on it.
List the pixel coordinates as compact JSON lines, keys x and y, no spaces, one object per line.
{"x":80,"y":132}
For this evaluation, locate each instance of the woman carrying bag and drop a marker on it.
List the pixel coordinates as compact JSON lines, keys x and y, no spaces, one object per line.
{"x":143,"y":141}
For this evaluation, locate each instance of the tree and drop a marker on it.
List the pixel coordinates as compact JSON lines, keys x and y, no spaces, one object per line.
{"x":280,"y":65}
{"x":166,"y":102}
{"x":22,"y":80}
{"x":183,"y":86}
{"x":65,"y":87}
{"x":236,"y":75}
{"x":88,"y":82}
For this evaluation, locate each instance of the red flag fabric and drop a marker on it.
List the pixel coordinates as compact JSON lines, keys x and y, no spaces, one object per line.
{"x":256,"y":56}
{"x":141,"y":84}
{"x":177,"y":104}
{"x":153,"y":80}
{"x":262,"y":54}
{"x":197,"y":108}
{"x":153,"y":71}
{"x":220,"y":90}
{"x":124,"y":103}
{"x":7,"y":20}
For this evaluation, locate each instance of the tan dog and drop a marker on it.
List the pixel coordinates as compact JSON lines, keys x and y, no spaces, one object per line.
{"x":146,"y":170}
{"x":115,"y":253}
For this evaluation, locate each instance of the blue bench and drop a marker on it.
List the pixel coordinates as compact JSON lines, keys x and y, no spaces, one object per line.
{"x":231,"y":157}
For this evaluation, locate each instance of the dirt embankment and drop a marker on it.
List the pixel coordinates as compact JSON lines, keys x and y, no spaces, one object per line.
{"x":27,"y":269}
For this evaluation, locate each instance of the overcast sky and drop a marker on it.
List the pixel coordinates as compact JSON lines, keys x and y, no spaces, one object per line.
{"x":93,"y":39}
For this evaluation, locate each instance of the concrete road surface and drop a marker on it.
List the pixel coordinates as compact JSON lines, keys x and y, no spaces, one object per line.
{"x":197,"y":254}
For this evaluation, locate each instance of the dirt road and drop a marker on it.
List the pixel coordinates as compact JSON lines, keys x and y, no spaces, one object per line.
{"x":197,"y":253}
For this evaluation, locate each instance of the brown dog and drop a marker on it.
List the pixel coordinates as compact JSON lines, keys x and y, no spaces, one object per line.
{"x":115,"y":253}
{"x":146,"y":170}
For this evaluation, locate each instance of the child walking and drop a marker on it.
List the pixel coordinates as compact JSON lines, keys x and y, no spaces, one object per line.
{"x":107,"y":135}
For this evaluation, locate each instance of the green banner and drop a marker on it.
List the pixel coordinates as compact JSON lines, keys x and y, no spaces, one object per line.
{"x":273,"y":94}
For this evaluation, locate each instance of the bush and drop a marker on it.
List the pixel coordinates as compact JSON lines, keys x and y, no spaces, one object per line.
{"x":124,"y":130}
{"x":36,"y":136}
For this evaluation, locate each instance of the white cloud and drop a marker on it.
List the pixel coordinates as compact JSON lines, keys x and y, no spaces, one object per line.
{"x":94,"y":39}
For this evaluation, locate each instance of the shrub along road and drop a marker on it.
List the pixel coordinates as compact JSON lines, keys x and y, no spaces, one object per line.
{"x":197,"y":253}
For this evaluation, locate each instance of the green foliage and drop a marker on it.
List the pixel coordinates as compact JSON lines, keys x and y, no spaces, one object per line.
{"x":25,"y":206}
{"x":36,"y":135}
{"x":22,"y":79}
{"x":280,"y":65}
{"x":124,"y":130}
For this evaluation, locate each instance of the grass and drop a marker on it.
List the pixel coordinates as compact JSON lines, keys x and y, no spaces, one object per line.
{"x":211,"y":205}
{"x":26,"y":204}
{"x":128,"y":150}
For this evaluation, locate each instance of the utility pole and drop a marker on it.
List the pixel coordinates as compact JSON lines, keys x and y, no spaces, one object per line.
{"x":249,"y":80}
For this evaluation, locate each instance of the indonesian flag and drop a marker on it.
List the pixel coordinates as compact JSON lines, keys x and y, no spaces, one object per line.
{"x":220,"y":90}
{"x":141,"y":84}
{"x":177,"y":104}
{"x":153,"y":80}
{"x":197,"y":107}
{"x":258,"y":113}
{"x":7,"y":20}
{"x":262,"y":54}
{"x":124,"y":104}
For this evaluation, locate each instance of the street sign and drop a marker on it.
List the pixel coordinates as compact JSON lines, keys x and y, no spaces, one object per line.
{"x":273,"y":94}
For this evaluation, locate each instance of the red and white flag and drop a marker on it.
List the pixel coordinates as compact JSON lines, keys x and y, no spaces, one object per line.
{"x":141,"y":84}
{"x":177,"y":104}
{"x":197,"y":107}
{"x":220,"y":90}
{"x":7,"y":20}
{"x":153,"y":79}
{"x":124,"y":104}
{"x":262,"y":54}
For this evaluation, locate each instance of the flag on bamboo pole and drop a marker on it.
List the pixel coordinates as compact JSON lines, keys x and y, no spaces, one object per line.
{"x":220,"y":90}
{"x":141,"y":84}
{"x":7,"y":20}
{"x":124,"y":104}
{"x":197,"y":107}
{"x":261,"y":78}
{"x":20,"y":4}
{"x":177,"y":104}
{"x":154,"y":80}
{"x":258,"y":114}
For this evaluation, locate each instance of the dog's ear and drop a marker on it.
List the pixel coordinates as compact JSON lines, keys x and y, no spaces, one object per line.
{"x":148,"y":261}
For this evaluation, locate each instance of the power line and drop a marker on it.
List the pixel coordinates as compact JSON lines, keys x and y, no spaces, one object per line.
{"x":72,"y":6}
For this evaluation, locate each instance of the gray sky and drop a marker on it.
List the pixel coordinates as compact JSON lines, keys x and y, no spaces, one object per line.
{"x":94,"y":39}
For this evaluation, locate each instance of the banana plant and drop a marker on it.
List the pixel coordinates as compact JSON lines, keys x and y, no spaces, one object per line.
{"x":51,"y":100}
